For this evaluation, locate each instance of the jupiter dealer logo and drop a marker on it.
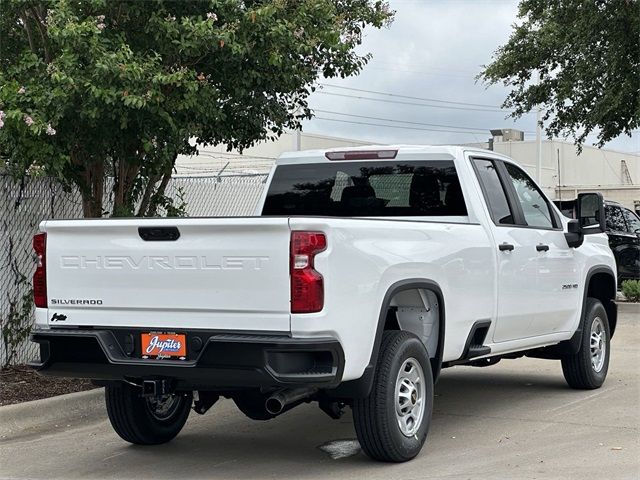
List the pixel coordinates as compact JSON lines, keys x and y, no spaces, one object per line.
{"x":163,"y":346}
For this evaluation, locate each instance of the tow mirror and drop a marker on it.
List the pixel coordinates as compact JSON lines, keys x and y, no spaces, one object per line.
{"x":573,"y":235}
{"x":589,"y":218}
{"x":590,"y":213}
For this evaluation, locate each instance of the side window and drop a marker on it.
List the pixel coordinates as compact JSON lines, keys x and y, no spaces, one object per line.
{"x":614,"y":219}
{"x":632,"y":221}
{"x":493,"y":192}
{"x":537,"y":212}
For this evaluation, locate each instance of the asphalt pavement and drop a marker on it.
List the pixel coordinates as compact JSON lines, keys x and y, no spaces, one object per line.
{"x":514,"y":420}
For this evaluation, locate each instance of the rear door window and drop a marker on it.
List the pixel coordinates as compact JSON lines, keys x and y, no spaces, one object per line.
{"x":493,"y":191}
{"x":367,"y":189}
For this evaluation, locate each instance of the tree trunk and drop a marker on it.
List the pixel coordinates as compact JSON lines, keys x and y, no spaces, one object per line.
{"x":146,"y":197}
{"x":97,"y":188}
{"x":90,"y":181}
{"x":125,"y":175}
{"x":159,"y":194}
{"x":92,"y":195}
{"x":43,"y":35}
{"x":25,"y":21}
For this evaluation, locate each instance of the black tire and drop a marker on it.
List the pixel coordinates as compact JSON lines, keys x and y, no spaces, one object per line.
{"x":136,"y":421}
{"x":578,"y":370}
{"x":374,"y":417}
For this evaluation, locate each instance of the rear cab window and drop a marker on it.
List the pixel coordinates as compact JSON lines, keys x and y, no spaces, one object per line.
{"x":366,"y":189}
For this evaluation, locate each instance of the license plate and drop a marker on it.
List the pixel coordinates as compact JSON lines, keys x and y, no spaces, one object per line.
{"x":164,"y":345}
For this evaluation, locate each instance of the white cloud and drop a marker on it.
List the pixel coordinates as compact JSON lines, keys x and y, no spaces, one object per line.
{"x":433,"y":49}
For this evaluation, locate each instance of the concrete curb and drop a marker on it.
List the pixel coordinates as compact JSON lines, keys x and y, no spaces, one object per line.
{"x":628,"y":307}
{"x":60,"y":411}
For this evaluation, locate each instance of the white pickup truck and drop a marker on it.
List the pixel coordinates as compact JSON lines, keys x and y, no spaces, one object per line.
{"x":366,"y":271}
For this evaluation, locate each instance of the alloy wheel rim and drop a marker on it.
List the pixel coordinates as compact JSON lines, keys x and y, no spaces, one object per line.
{"x":597,"y":344}
{"x":410,"y":395}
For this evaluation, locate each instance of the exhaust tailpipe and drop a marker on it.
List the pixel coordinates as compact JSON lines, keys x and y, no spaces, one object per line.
{"x":279,"y":401}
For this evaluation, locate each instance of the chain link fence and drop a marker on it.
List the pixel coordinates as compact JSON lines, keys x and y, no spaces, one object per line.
{"x":24,"y":204}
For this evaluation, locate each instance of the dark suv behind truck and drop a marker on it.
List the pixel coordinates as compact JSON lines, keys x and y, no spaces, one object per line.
{"x":623,"y":230}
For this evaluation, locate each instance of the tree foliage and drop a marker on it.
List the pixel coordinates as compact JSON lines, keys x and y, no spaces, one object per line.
{"x":121,"y":87}
{"x":587,"y":55}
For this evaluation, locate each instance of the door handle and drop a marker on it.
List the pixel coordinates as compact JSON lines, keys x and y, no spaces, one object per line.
{"x":505,"y":247}
{"x":542,"y":248}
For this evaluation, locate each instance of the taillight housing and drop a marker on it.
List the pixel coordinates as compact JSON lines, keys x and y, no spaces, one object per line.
{"x":307,"y":285}
{"x":40,"y":275}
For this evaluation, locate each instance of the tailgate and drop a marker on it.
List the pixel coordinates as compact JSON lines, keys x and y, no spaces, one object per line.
{"x":221,"y":273}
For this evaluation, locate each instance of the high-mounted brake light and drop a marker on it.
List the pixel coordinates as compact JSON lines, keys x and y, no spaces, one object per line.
{"x":362,"y":155}
{"x":307,"y":285}
{"x":40,"y":275}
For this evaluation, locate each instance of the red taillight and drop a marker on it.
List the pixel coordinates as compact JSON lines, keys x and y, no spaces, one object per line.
{"x":40,"y":276}
{"x":307,"y":285}
{"x":362,"y":155}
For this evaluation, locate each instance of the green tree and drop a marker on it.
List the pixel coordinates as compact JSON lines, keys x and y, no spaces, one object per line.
{"x":587,"y":55}
{"x":121,"y":87}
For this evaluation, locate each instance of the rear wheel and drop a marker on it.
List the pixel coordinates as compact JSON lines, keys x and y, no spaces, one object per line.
{"x":145,"y":420}
{"x":393,"y":421}
{"x":587,"y":369}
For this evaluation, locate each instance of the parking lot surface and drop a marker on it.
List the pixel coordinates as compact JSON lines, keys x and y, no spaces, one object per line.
{"x":515,"y":420}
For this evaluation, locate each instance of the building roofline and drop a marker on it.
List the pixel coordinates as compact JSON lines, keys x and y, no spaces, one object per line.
{"x":403,"y":149}
{"x":330,"y":137}
{"x":564,"y":142}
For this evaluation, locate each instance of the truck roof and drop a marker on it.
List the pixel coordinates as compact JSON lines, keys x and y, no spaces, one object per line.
{"x":405,"y":152}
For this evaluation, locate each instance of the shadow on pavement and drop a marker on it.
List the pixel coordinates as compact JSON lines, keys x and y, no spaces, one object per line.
{"x":287,"y":447}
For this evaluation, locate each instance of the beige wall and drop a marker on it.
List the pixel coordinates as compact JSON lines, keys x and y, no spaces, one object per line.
{"x":593,"y":170}
{"x":257,"y":159}
{"x":287,"y":142}
{"x":627,"y":196}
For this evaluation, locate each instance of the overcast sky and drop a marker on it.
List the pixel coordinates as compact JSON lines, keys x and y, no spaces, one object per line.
{"x":434,"y":49}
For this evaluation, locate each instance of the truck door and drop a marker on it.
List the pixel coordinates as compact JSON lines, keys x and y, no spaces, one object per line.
{"x":517,"y":293}
{"x":556,"y":289}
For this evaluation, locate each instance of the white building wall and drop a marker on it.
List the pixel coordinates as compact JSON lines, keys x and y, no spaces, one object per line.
{"x":593,"y":170}
{"x":257,"y":159}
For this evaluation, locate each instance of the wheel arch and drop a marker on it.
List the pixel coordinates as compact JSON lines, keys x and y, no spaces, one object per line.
{"x":362,"y":386}
{"x":601,"y":283}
